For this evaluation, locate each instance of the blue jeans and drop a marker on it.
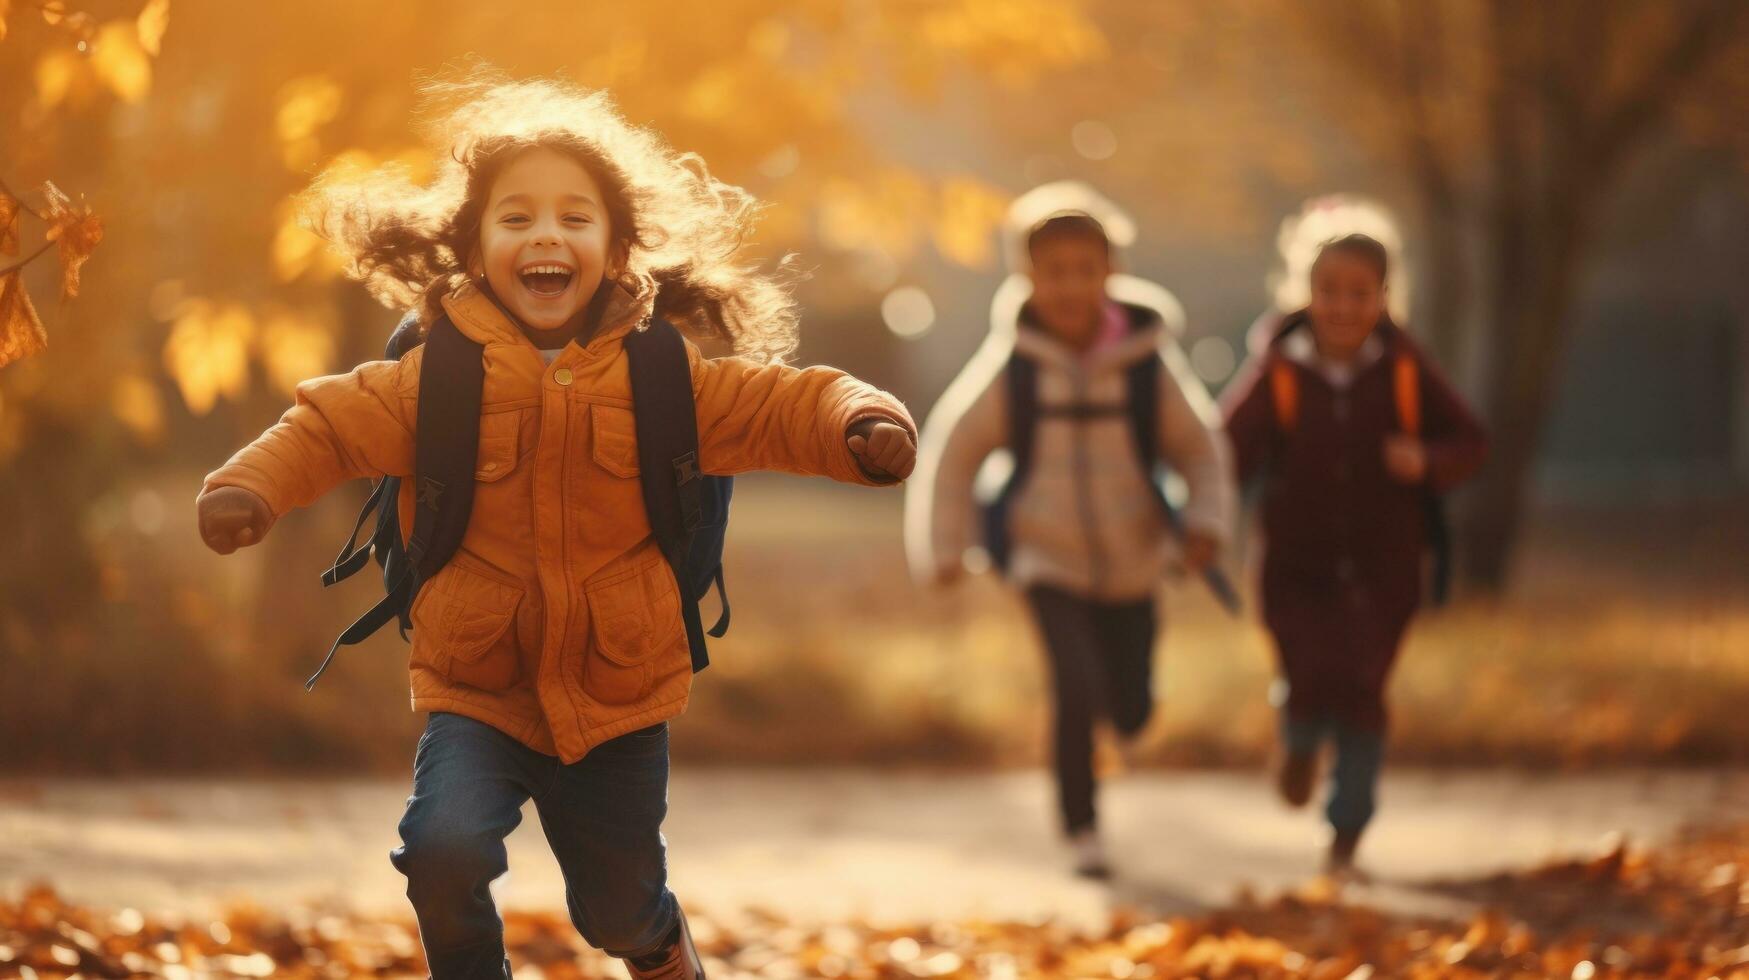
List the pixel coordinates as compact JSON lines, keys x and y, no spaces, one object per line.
{"x":1355,"y":776}
{"x":602,"y":816}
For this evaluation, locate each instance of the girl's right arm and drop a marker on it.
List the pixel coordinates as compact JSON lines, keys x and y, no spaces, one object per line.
{"x":341,"y":427}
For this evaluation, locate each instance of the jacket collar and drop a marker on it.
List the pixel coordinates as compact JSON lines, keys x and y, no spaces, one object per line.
{"x":480,"y":318}
{"x":1294,"y":342}
{"x":1143,"y":340}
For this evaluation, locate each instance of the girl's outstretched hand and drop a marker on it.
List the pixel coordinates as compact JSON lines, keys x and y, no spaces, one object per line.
{"x":884,"y":451}
{"x":232,"y":518}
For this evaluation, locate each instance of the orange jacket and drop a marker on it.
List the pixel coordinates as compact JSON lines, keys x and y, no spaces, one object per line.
{"x":558,"y":620}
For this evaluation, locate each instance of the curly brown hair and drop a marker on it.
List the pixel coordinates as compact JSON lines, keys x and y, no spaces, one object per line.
{"x":683,"y":230}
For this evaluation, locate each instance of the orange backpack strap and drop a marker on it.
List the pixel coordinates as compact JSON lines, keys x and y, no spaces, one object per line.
{"x":1284,"y":389}
{"x":1406,"y":384}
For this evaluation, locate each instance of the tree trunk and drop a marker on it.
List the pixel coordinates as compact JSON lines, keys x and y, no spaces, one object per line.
{"x":1444,"y":283}
{"x":1520,"y":382}
{"x":1488,"y":530}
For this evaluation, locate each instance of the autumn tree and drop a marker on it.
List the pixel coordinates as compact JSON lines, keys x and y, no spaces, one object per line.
{"x":1513,"y":123}
{"x":212,"y":301}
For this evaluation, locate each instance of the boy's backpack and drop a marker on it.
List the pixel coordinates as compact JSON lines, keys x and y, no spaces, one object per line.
{"x":688,"y":511}
{"x":1406,"y":393}
{"x":1140,"y":407}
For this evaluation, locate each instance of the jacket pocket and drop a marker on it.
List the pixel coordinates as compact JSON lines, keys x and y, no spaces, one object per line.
{"x":500,"y":442}
{"x":633,"y":617}
{"x":463,"y":615}
{"x":616,"y":439}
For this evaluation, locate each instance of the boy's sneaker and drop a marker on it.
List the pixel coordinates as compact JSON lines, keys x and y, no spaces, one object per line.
{"x":1089,"y":854}
{"x":679,"y":961}
{"x":1295,"y":774}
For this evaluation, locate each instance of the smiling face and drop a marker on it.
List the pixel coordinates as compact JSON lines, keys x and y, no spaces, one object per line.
{"x":1348,"y":299}
{"x":546,"y":240}
{"x":1068,"y":285}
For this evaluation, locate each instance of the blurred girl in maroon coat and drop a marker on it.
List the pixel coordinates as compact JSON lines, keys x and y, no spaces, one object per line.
{"x":1351,"y":430}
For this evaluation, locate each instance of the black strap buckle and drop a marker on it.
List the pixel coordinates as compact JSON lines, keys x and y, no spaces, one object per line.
{"x":686,"y":469}
{"x":429,"y":492}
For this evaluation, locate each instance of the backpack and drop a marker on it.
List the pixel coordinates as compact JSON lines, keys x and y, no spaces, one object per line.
{"x":1140,"y":407}
{"x":1406,"y":394}
{"x":688,"y":511}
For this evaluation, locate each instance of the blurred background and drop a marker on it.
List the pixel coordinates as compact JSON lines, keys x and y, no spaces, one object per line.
{"x":1571,"y":180}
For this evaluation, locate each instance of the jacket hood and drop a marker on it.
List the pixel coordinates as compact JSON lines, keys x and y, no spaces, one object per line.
{"x":1060,"y":197}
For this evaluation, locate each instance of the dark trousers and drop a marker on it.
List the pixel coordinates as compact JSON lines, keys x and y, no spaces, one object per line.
{"x":1101,"y":660}
{"x":602,"y":816}
{"x":1354,"y":779}
{"x":1336,"y":650}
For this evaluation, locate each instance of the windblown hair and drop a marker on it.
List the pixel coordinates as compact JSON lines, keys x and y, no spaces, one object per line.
{"x":683,"y":230}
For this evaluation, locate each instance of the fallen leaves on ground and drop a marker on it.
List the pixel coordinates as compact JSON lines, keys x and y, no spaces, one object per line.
{"x":1681,"y":910}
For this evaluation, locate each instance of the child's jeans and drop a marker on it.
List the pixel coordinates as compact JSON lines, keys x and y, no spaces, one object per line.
{"x":602,"y":816}
{"x":1101,"y":657}
{"x":1355,"y":776}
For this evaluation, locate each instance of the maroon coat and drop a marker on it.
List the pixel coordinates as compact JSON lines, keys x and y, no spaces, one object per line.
{"x":1344,"y":542}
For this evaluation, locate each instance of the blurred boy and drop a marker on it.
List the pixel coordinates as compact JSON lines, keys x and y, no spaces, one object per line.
{"x":1089,"y":395}
{"x":1353,"y":433}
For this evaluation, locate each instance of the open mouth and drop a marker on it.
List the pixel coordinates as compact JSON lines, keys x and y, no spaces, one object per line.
{"x":547,"y":279}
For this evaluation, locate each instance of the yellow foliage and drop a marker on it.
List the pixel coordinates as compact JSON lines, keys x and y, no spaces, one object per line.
{"x":770,"y":39}
{"x":713,"y":94}
{"x":136,"y":404}
{"x":151,"y":24}
{"x":892,"y":212}
{"x":57,"y":74}
{"x":297,"y":250}
{"x":624,"y":59}
{"x":295,"y":346}
{"x":1017,"y":41}
{"x":416,"y":159}
{"x":305,"y":105}
{"x":120,"y":62}
{"x":883,"y":213}
{"x":208,"y":352}
{"x":966,"y":220}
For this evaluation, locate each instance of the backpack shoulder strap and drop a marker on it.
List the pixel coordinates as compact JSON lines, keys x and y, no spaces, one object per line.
{"x":1284,"y":391}
{"x":1406,"y":392}
{"x":445,"y":451}
{"x":666,"y":422}
{"x":1020,"y":380}
{"x":1406,"y":388}
{"x":381,"y":501}
{"x":446,"y":446}
{"x":1142,"y":396}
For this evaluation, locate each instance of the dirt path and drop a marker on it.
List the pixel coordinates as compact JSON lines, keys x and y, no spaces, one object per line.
{"x":831,"y":844}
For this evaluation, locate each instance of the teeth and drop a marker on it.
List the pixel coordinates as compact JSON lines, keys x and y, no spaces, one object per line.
{"x":553,"y":269}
